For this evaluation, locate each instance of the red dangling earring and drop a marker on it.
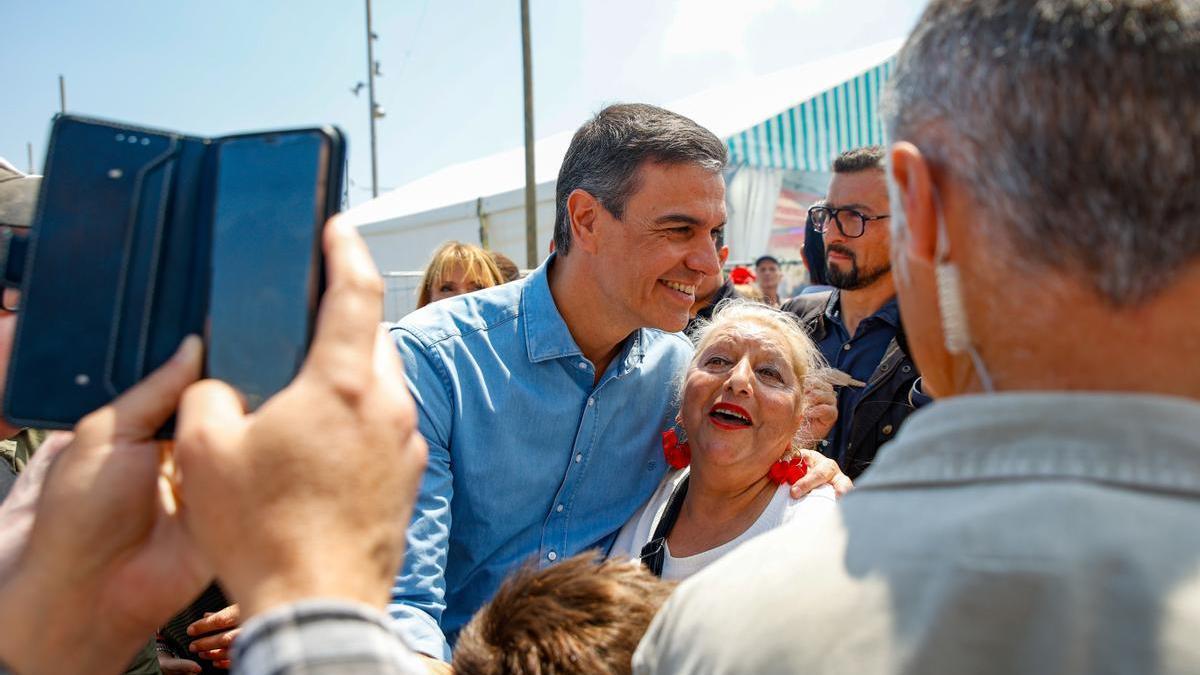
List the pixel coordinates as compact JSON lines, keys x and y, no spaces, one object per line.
{"x":678,"y":454}
{"x":787,"y":471}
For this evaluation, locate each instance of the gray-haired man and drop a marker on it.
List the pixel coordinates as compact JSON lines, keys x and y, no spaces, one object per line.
{"x":1046,"y":181}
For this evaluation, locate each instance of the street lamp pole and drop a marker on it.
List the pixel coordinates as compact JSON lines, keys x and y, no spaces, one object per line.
{"x":531,"y":247}
{"x":371,"y":96}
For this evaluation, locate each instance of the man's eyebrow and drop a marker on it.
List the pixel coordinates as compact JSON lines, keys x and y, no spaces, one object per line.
{"x":684,"y":219}
{"x":677,"y":218}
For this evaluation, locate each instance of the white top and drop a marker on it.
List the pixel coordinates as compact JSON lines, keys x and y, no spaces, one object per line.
{"x":782,"y":508}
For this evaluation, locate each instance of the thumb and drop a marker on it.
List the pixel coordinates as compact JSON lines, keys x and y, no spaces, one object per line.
{"x":140,"y":411}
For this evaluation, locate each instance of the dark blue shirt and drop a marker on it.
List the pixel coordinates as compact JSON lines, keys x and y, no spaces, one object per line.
{"x":859,"y":355}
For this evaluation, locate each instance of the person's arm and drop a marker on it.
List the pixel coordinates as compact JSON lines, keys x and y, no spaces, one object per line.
{"x":286,"y":521}
{"x":419,"y":592}
{"x":319,"y":637}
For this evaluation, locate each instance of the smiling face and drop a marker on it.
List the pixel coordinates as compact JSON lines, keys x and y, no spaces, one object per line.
{"x":742,"y":401}
{"x":650,"y":263}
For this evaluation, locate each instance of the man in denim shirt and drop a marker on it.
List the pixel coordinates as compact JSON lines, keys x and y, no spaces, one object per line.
{"x":542,"y":400}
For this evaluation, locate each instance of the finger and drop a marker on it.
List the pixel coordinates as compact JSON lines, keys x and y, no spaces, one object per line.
{"x":226,"y":665}
{"x":842,"y":484}
{"x":210,"y":413}
{"x":140,"y":411}
{"x":821,"y":470}
{"x":353,"y":302}
{"x":211,"y":642}
{"x":215,"y":655}
{"x":226,"y":618}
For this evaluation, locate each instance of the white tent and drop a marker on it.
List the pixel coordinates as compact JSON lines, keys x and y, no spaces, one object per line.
{"x":791,"y":121}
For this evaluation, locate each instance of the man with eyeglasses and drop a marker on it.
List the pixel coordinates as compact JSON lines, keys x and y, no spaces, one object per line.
{"x":857,"y":325}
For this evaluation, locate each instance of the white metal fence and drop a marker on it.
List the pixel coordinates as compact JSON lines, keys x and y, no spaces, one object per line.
{"x":400,"y":293}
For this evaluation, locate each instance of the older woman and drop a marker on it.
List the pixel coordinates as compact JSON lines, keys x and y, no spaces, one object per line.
{"x":457,"y":268}
{"x":751,"y":398}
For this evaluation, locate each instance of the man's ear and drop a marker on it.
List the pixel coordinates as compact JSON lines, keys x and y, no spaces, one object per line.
{"x":582,"y":210}
{"x":723,"y":254}
{"x":914,"y":186}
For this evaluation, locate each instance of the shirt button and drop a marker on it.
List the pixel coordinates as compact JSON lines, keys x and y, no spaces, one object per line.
{"x":579,"y":458}
{"x":559,"y":508}
{"x":887,"y":429}
{"x":551,"y":556}
{"x":591,"y":402}
{"x":583,"y":365}
{"x":846,"y":347}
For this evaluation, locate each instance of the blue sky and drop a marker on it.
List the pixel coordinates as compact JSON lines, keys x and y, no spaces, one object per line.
{"x":451,"y":82}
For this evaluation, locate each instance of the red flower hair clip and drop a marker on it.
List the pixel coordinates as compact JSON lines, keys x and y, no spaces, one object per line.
{"x":787,"y":471}
{"x":678,"y":454}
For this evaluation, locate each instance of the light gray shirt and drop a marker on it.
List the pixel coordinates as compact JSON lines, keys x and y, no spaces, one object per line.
{"x":1010,"y":533}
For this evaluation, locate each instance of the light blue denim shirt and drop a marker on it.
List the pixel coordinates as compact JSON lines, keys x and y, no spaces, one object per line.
{"x":528,"y":459}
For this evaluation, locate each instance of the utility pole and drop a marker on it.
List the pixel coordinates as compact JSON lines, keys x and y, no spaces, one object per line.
{"x":531,"y":247}
{"x":29,"y":149}
{"x":371,"y":66}
{"x":62,"y":94}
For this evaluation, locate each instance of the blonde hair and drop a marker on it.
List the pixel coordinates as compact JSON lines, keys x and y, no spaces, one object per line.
{"x":798,"y":348}
{"x":476,"y":262}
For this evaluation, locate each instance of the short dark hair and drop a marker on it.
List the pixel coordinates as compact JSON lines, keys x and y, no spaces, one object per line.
{"x":766,"y":258}
{"x":859,"y":159}
{"x":1074,"y":124}
{"x":579,"y":616}
{"x":607,"y":151}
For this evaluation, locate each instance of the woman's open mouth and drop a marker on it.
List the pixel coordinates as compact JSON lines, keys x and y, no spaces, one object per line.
{"x":730,"y":416}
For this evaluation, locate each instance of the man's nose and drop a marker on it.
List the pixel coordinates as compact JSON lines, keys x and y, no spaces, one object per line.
{"x":703,"y":257}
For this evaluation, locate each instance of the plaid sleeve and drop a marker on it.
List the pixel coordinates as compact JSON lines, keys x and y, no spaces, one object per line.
{"x":314,"y":637}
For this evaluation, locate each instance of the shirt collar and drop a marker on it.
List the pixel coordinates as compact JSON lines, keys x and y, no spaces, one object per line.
{"x":888,"y":313}
{"x":1138,"y":440}
{"x":546,"y":334}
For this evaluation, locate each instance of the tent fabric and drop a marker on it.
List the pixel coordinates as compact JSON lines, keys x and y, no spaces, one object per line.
{"x":734,"y":111}
{"x":809,"y":135}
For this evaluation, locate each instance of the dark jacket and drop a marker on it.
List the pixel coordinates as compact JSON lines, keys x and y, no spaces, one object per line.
{"x":885,"y":402}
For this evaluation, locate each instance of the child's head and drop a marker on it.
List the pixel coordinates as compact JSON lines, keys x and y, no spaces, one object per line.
{"x":580,"y":616}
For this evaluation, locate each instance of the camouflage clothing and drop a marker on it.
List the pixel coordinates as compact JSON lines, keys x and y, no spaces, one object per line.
{"x":14,"y":455}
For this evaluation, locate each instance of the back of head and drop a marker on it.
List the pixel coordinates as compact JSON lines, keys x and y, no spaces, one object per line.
{"x":606,"y":152}
{"x":508,"y":269}
{"x":579,"y":616}
{"x":1073,"y":124}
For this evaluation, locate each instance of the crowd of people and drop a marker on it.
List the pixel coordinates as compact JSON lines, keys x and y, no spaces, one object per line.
{"x":976,"y":451}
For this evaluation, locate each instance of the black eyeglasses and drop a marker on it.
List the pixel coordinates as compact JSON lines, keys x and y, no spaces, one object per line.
{"x":850,"y":223}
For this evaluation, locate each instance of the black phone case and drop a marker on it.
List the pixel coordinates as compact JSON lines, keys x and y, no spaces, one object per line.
{"x":118,"y":264}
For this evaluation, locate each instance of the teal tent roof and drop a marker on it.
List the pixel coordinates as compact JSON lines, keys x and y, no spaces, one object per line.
{"x":807,"y":136}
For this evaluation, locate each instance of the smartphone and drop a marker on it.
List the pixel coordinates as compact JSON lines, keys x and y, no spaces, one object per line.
{"x":141,"y":237}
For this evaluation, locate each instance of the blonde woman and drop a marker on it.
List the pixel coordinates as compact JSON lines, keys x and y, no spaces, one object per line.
{"x":457,"y":268}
